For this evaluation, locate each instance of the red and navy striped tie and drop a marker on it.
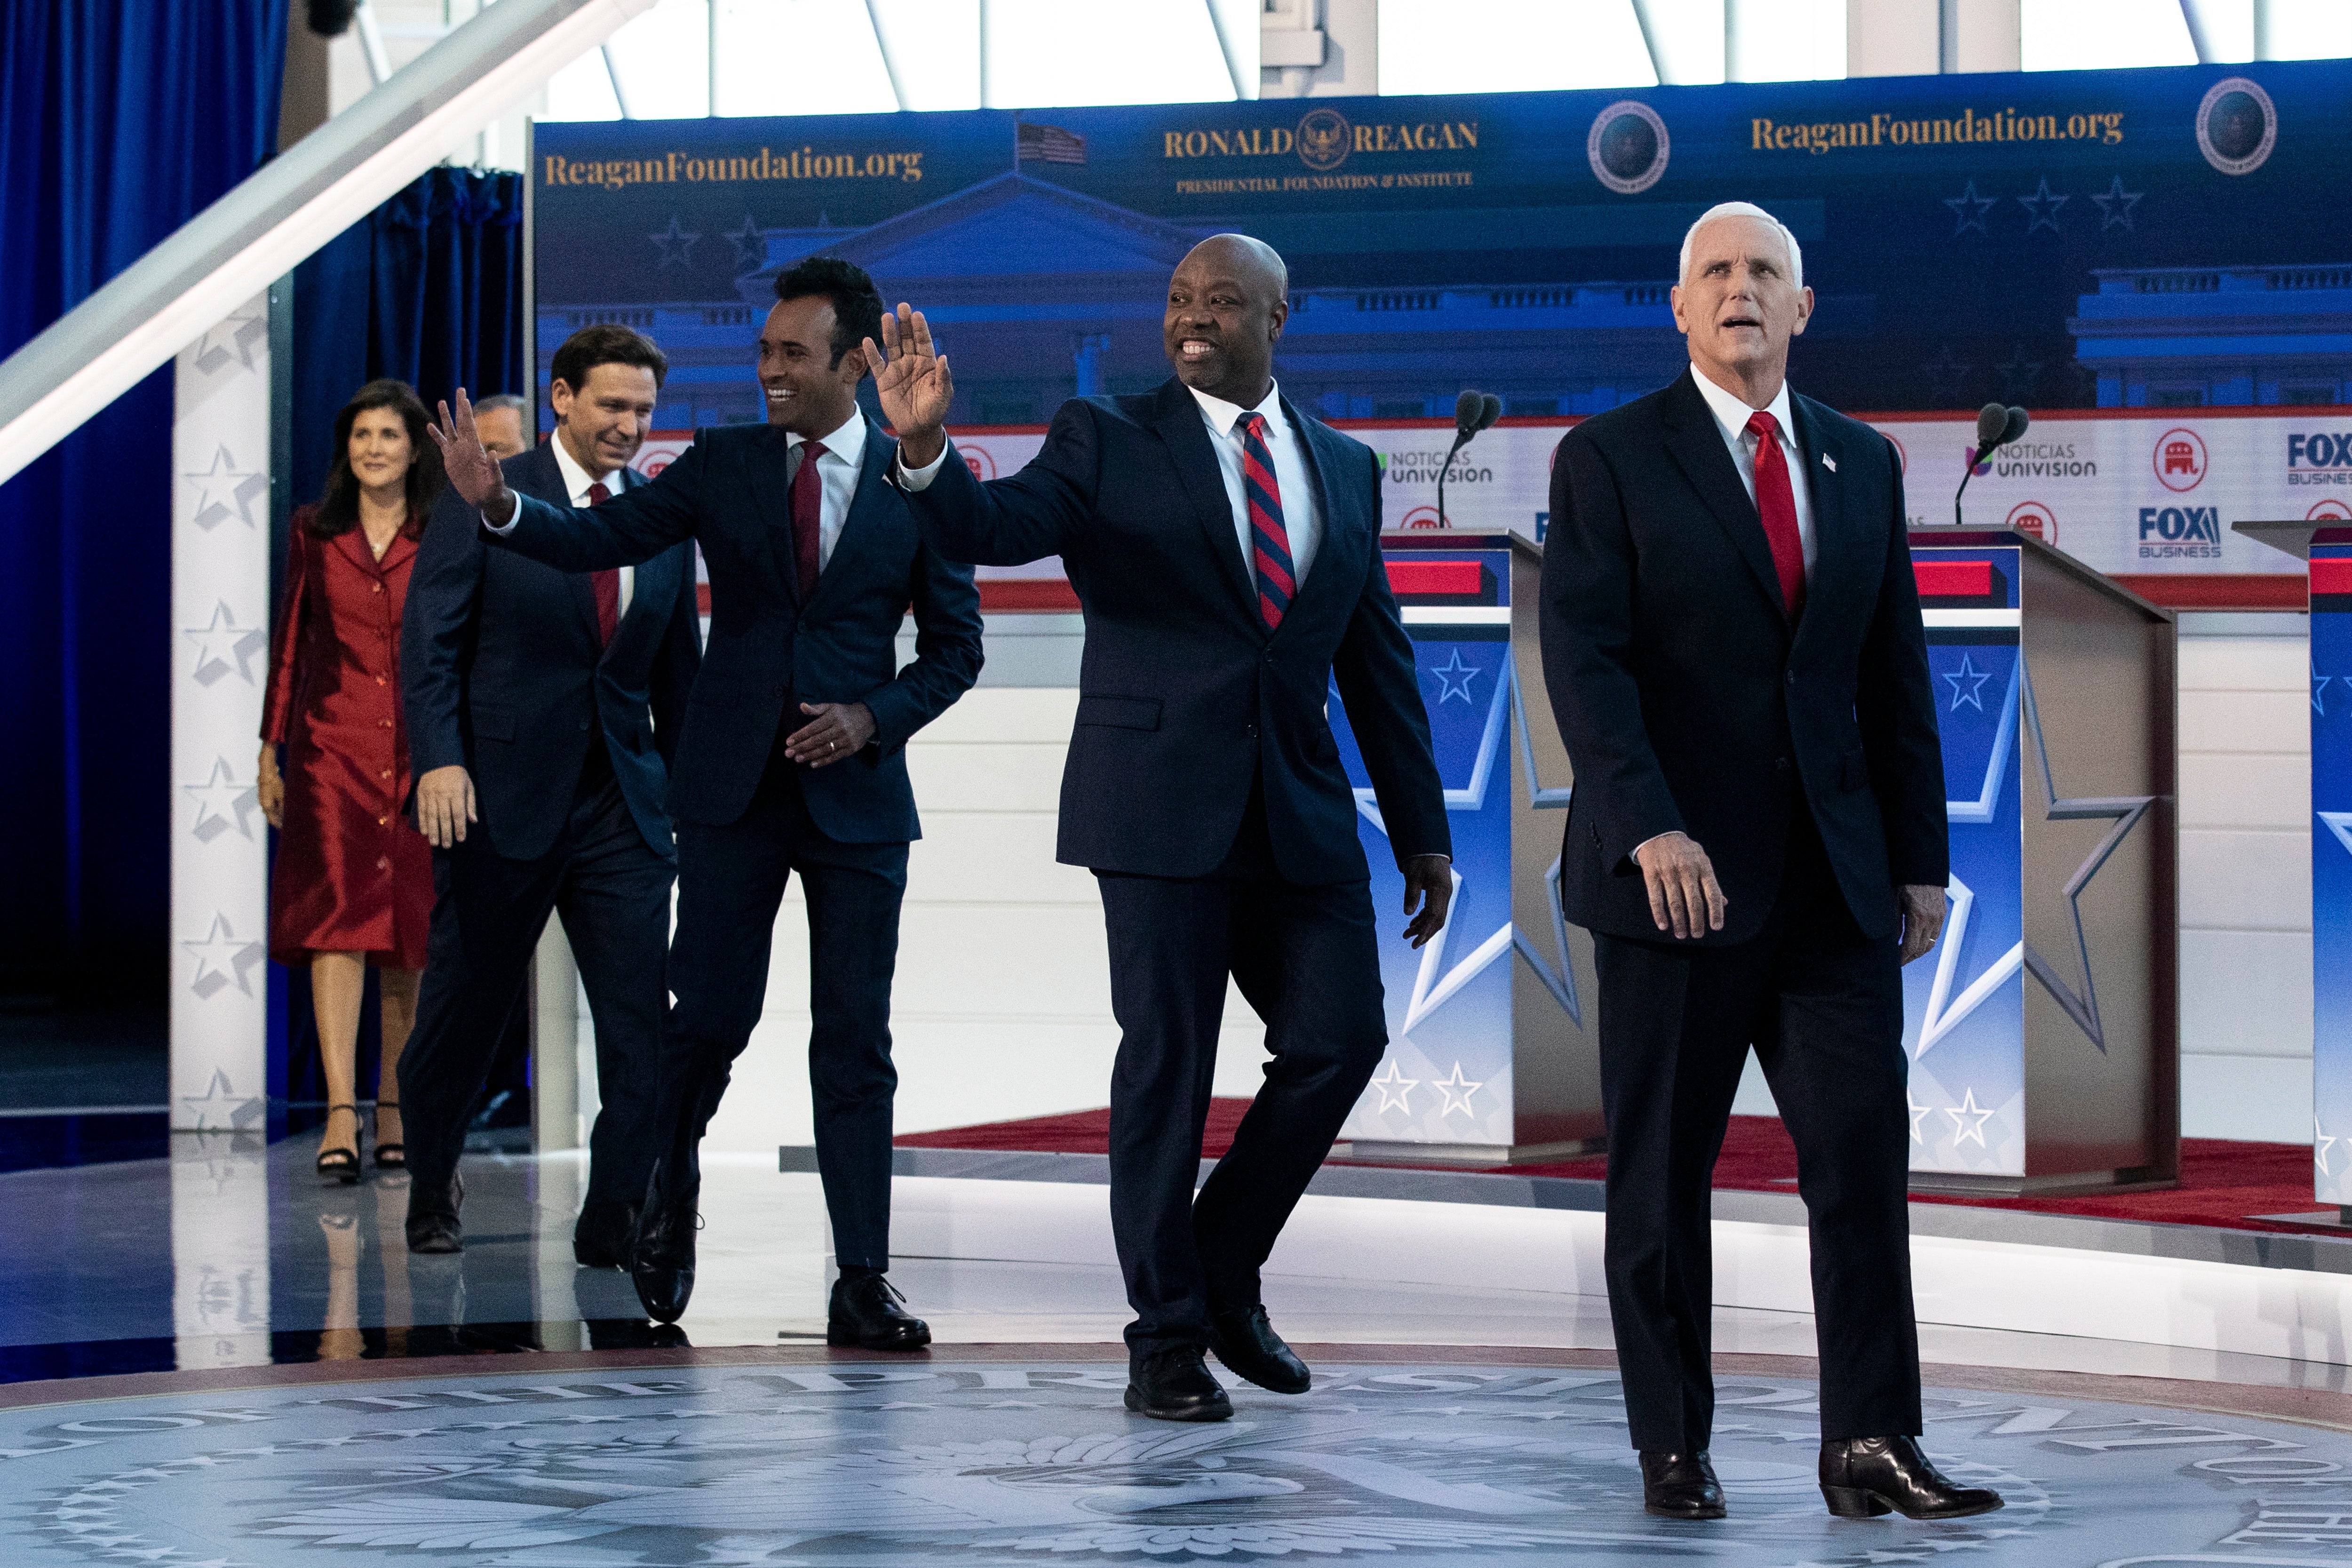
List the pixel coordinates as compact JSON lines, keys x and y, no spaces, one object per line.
{"x":1269,"y":541}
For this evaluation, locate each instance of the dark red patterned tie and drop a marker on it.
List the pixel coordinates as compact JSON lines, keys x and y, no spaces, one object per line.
{"x":808,"y":517}
{"x":1777,"y":503}
{"x":1269,"y":541}
{"x":607,"y":582}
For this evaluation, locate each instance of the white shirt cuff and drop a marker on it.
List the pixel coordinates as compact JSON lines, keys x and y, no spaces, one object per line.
{"x":921,"y":479}
{"x":503,"y":529}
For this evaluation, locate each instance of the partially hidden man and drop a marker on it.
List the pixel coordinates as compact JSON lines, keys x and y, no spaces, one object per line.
{"x":544,"y":714}
{"x":1732,"y":641}
{"x":793,"y":760}
{"x":1225,"y":549}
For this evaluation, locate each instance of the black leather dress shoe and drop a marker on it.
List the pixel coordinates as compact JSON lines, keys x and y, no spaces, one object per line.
{"x":661,"y":1263}
{"x":1680,"y":1486}
{"x":605,"y":1234}
{"x":1250,"y":1348}
{"x":433,"y":1225}
{"x":865,"y":1312}
{"x":1175,"y":1385}
{"x":1863,"y":1477}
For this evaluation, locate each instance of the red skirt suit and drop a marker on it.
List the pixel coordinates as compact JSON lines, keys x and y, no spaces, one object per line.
{"x":354,"y":875}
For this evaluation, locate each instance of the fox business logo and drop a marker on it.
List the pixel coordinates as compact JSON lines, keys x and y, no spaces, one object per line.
{"x":2319,"y":457}
{"x":2179,"y":532}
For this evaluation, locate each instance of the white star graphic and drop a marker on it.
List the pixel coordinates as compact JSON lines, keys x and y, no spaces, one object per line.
{"x":225,"y":648}
{"x":2318,"y":684}
{"x":1394,"y":1088}
{"x":1968,"y":1121}
{"x":220,"y":1109}
{"x":2043,"y":206}
{"x":222,"y":960}
{"x":232,"y":340}
{"x":1975,"y":678}
{"x":1454,"y":678}
{"x":2116,"y":205}
{"x":1920,"y":1113}
{"x":222,"y":803}
{"x":2320,"y":1144}
{"x":676,"y":244}
{"x":1961,"y":206}
{"x":1456,"y":1088}
{"x":224,"y":490}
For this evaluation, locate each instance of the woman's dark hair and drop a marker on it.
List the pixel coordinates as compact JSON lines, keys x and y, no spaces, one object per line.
{"x":605,"y":343}
{"x":339,"y":507}
{"x":858,"y":305}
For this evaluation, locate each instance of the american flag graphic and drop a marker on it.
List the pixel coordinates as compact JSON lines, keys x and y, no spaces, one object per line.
{"x":1050,"y":144}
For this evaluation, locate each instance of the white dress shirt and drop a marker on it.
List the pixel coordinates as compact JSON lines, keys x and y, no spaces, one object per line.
{"x":1302,"y":520}
{"x":576,"y":480}
{"x":836,"y":477}
{"x":1731,"y":415}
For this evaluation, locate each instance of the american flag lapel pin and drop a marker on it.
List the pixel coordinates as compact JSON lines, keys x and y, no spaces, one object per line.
{"x":1829,"y":462}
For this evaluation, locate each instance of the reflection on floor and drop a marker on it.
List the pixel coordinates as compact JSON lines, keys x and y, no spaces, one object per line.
{"x":230,"y":1254}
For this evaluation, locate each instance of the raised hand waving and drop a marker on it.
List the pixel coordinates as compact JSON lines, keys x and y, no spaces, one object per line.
{"x":913,"y":384}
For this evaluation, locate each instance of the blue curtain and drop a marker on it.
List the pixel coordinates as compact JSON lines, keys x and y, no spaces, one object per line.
{"x":427,"y":287}
{"x":120,"y":119}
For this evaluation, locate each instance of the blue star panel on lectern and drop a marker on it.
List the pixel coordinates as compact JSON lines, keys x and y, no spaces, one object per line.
{"x":1964,"y":1005}
{"x":2331,"y":870}
{"x":1447,"y":1077}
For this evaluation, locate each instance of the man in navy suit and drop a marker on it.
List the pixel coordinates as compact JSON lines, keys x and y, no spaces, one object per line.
{"x":812,"y":561}
{"x":544,"y":710}
{"x":1226,"y":548}
{"x":1731,"y":638}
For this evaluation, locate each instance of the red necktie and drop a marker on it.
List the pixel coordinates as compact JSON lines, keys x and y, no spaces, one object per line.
{"x":1777,"y":502}
{"x":607,"y":582}
{"x":808,"y":517}
{"x":1269,"y":540}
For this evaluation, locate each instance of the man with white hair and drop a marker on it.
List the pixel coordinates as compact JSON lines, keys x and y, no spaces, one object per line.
{"x":1731,"y":637}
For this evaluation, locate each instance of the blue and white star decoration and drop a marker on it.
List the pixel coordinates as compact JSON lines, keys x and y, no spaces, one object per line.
{"x":224,"y":491}
{"x":1443,"y":969}
{"x":2044,"y":205}
{"x":750,"y":245}
{"x":1969,"y":209}
{"x":1968,"y":685}
{"x":675,"y":243}
{"x":2114,"y":205}
{"x":221,"y":1108}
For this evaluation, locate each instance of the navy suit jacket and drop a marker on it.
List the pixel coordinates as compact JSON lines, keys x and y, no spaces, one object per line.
{"x":1687,"y":700}
{"x":1185,"y":698}
{"x":770,"y":652}
{"x":500,"y":671}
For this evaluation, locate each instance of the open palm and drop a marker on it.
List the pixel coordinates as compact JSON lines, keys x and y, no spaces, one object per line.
{"x":912,"y":380}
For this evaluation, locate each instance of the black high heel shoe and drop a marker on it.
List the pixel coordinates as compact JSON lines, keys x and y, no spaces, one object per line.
{"x":391,"y":1156}
{"x":342,"y":1165}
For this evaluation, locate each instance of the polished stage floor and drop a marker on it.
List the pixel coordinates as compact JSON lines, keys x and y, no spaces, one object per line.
{"x":212,"y":1358}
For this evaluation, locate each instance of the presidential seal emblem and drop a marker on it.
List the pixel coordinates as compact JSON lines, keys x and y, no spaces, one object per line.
{"x":1628,"y":147}
{"x":2237,"y":125}
{"x":1324,"y":139}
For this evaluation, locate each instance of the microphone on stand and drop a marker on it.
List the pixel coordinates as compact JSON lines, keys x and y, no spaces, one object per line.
{"x":1996,"y":427}
{"x":1473,"y":411}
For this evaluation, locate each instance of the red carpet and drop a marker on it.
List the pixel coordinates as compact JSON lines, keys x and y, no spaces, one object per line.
{"x":2222,"y":1185}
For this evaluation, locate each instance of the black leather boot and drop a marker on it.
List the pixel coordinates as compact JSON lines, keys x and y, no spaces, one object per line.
{"x":433,"y":1225}
{"x":866,"y":1312}
{"x":661,"y":1262}
{"x":1680,"y":1486}
{"x":1864,"y":1477}
{"x":1250,"y":1348}
{"x":606,"y":1234}
{"x":1175,"y":1385}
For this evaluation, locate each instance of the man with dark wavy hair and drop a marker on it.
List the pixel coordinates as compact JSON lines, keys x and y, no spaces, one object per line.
{"x":793,"y":760}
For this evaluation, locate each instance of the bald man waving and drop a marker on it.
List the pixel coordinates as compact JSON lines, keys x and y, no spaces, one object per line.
{"x":1226,"y":548}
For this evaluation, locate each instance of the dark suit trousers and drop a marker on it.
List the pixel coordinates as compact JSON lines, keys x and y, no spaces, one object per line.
{"x":1823,"y":1007}
{"x":730,"y":883}
{"x":613,"y":893}
{"x":1305,"y":958}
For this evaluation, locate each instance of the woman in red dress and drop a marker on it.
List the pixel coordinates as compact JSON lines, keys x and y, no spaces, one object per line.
{"x":353,"y":883}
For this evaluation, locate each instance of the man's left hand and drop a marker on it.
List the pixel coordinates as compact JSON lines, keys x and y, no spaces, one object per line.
{"x":1923,"y":918}
{"x":836,"y":732}
{"x":1429,"y":888}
